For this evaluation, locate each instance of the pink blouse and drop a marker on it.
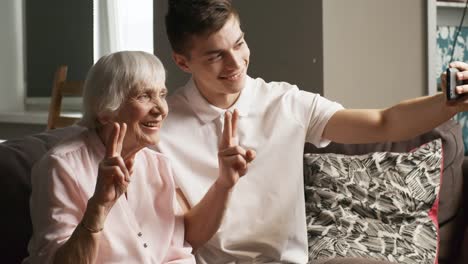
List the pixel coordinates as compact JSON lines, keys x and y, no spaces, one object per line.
{"x":141,"y":229}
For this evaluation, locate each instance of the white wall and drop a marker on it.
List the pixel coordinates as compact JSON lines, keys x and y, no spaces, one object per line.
{"x":11,"y":55}
{"x":374,"y":51}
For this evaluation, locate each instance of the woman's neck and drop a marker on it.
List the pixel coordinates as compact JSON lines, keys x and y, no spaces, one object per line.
{"x":128,"y":150}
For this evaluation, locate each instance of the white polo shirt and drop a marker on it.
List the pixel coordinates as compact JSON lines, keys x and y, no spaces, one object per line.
{"x":265,"y":220}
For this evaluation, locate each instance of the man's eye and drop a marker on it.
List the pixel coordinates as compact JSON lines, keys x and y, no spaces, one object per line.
{"x":214,"y":57}
{"x":240,"y":44}
{"x":163,"y":95}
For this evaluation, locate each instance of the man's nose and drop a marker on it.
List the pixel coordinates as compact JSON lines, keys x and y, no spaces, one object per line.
{"x":234,"y":60}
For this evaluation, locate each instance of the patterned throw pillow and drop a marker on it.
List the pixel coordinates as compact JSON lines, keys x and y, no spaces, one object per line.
{"x":381,"y":205}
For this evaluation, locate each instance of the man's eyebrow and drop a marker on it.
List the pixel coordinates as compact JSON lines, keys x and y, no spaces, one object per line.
{"x":240,"y":38}
{"x":210,"y":52}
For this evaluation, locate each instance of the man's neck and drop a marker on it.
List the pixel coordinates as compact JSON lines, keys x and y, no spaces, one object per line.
{"x":220,"y":100}
{"x":223,"y":101}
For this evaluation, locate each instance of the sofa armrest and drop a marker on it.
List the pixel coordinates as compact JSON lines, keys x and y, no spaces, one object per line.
{"x":17,"y":156}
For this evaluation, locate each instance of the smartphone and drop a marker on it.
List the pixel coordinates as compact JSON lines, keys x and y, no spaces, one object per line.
{"x":452,"y":83}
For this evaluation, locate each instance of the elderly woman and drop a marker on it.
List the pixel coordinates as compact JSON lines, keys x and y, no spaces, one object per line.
{"x":103,"y":197}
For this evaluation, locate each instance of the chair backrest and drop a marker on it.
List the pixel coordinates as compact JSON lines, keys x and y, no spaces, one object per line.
{"x":62,"y":87}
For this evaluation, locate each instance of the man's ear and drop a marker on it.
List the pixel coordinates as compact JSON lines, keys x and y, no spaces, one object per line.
{"x":181,"y":61}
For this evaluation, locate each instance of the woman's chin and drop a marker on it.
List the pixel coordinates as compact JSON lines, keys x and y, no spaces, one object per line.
{"x":151,"y":140}
{"x":147,"y":137}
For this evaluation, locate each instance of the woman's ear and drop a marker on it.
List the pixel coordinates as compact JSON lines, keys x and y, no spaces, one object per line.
{"x":181,"y":61}
{"x":104,"y":118}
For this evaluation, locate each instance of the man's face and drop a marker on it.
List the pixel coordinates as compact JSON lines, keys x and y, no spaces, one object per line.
{"x":218,"y":62}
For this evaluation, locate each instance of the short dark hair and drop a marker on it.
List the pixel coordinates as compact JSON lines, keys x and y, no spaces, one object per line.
{"x":186,"y":18}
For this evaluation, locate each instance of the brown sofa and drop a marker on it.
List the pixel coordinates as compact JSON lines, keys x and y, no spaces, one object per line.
{"x":17,"y":157}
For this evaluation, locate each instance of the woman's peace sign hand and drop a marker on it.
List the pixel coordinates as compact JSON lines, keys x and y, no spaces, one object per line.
{"x":113,"y":175}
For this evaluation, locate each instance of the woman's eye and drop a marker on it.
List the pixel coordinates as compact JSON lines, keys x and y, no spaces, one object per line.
{"x":143,"y":97}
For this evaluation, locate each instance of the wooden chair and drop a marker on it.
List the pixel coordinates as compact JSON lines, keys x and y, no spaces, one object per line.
{"x":61,"y":87}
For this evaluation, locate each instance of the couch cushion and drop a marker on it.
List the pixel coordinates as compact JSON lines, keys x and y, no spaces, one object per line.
{"x":376,"y":204}
{"x":17,"y":157}
{"x":451,"y":195}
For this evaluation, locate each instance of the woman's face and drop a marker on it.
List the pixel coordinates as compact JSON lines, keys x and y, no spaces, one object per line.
{"x":143,"y":112}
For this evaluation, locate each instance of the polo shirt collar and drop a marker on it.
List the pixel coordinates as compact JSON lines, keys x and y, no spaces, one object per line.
{"x":207,"y":112}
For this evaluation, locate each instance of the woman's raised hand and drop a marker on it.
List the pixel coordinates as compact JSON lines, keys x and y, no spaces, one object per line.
{"x":233,"y":159}
{"x":114,"y":173}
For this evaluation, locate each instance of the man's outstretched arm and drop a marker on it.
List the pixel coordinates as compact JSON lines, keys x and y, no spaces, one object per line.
{"x":402,"y":121}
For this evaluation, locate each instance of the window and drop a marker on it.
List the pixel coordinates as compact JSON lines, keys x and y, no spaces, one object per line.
{"x":77,"y":33}
{"x":56,"y":32}
{"x":122,"y":25}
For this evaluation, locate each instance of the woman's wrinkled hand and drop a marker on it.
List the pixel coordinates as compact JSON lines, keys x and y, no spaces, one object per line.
{"x":114,"y":173}
{"x":233,"y":159}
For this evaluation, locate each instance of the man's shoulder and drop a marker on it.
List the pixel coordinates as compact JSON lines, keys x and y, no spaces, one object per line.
{"x":272,"y":87}
{"x":177,"y":95}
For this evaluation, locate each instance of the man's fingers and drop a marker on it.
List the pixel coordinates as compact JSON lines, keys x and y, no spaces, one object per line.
{"x":236,"y":162}
{"x":227,"y":130}
{"x":235,"y":117}
{"x":112,"y":141}
{"x":250,"y":155}
{"x":461,"y":89}
{"x":244,"y":171}
{"x":232,"y":151}
{"x":462,"y":66}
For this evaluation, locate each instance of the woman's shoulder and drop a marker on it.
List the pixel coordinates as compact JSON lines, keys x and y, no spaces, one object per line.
{"x":155,"y":155}
{"x":77,"y":144}
{"x":154,"y":161}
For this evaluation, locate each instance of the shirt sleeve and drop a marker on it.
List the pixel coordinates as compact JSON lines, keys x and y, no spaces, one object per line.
{"x":313,"y":112}
{"x":321,"y":110}
{"x":56,"y":208}
{"x":179,"y":251}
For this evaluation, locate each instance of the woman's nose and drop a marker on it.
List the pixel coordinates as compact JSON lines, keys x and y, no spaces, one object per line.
{"x":159,"y":107}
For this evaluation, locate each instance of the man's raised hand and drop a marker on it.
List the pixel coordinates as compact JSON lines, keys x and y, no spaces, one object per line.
{"x":233,"y":159}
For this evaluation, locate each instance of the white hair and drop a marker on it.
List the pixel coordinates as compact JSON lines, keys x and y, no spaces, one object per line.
{"x":113,"y":77}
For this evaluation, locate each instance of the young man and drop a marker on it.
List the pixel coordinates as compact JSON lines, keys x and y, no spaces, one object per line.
{"x":265,"y":219}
